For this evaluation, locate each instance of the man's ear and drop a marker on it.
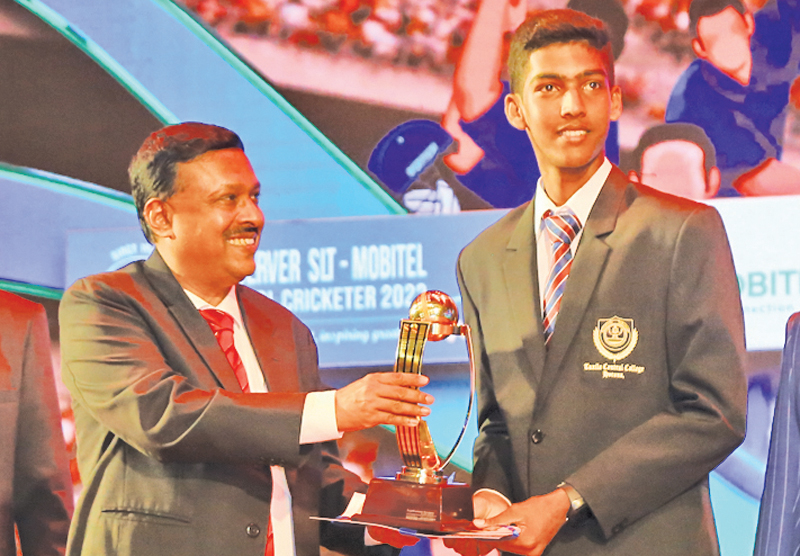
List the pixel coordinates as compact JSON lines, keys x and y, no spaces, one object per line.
{"x":514,"y":113}
{"x":158,"y":215}
{"x":699,"y":49}
{"x":633,"y":176}
{"x":616,"y":103}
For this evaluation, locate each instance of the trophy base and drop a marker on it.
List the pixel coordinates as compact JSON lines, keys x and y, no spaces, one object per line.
{"x":436,"y":508}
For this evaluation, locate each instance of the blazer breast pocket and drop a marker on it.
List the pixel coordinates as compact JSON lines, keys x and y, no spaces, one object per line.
{"x":613,"y":352}
{"x":611,"y":375}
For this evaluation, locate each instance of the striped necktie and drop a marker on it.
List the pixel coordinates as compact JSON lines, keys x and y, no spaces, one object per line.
{"x":561,"y":226}
{"x":221,"y":324}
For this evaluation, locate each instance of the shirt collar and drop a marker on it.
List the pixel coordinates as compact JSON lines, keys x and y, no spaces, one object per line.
{"x":581,"y":201}
{"x":228,"y":305}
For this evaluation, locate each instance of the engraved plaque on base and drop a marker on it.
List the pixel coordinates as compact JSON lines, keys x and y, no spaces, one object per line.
{"x":427,"y":507}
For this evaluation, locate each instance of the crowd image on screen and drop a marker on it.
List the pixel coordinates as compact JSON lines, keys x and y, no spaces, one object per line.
{"x":405,"y":32}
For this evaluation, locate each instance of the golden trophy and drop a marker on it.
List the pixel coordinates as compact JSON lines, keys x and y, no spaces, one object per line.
{"x":421,"y":497}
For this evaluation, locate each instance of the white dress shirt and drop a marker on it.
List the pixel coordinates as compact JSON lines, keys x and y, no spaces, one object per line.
{"x":581,"y":204}
{"x":318,"y":422}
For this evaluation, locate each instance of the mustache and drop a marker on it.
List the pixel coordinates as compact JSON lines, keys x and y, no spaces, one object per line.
{"x":243,"y":230}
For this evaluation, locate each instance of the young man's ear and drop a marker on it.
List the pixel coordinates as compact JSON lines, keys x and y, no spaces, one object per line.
{"x":616,"y":103}
{"x":158,"y":215}
{"x":514,"y":111}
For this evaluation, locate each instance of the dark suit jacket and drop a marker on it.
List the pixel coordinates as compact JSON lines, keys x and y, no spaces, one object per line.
{"x":174,"y":458}
{"x":778,"y":531}
{"x":35,"y":485}
{"x":638,"y":437}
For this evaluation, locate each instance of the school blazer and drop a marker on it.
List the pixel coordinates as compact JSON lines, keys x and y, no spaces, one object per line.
{"x":641,"y":391}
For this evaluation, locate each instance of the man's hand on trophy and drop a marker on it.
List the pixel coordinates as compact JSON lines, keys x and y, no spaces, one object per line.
{"x":539,"y":519}
{"x":382,"y":399}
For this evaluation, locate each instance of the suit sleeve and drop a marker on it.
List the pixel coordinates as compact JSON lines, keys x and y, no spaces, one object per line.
{"x":116,"y":366}
{"x":492,"y":450}
{"x":705,"y":419}
{"x":42,"y":484}
{"x":778,"y":532}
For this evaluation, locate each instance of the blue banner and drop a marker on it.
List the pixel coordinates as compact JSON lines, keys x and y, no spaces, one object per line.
{"x":351,"y":280}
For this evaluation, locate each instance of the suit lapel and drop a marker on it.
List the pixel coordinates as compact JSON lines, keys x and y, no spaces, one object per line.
{"x":189,"y":321}
{"x":266,"y":338}
{"x":522,"y":288}
{"x":587,"y":266}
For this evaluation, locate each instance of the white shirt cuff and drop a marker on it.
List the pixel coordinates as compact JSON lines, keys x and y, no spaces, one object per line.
{"x":319,"y":418}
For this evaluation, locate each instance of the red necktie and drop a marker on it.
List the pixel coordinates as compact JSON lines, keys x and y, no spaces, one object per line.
{"x":270,"y":549}
{"x":561,"y":227}
{"x":221,"y":324}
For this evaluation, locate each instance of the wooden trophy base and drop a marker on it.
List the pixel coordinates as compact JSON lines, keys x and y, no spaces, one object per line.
{"x":436,"y":508}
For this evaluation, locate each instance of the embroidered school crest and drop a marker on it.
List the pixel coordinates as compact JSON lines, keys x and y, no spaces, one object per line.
{"x":615,"y":338}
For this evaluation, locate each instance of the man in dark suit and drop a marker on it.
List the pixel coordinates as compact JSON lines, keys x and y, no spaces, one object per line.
{"x":199,"y":437}
{"x":35,"y":485}
{"x":608,"y":330}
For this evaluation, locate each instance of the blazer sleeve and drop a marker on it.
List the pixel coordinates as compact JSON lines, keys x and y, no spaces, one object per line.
{"x":778,"y":532}
{"x":116,"y":364}
{"x":705,"y":418}
{"x":492,"y":450}
{"x":42,"y":483}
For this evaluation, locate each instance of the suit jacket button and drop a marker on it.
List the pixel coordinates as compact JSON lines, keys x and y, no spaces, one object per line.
{"x":537,"y":436}
{"x":252,"y":530}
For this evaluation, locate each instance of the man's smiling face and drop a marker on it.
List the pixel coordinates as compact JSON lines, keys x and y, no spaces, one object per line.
{"x":565,"y":105}
{"x":215,"y":218}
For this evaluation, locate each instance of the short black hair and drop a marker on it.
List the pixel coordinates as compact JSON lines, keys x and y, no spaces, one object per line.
{"x":705,"y":8}
{"x":556,"y":27}
{"x":612,"y":14}
{"x":675,"y":132}
{"x":153,"y":168}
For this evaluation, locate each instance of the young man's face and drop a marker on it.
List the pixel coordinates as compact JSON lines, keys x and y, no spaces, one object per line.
{"x":566,"y":104}
{"x":215,"y":218}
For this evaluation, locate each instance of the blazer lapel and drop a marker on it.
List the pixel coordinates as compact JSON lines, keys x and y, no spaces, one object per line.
{"x":522,"y":287}
{"x":190,"y":321}
{"x":587,"y":266}
{"x":269,"y":343}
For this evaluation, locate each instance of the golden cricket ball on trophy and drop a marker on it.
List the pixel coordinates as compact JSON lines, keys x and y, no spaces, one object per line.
{"x":439,"y":310}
